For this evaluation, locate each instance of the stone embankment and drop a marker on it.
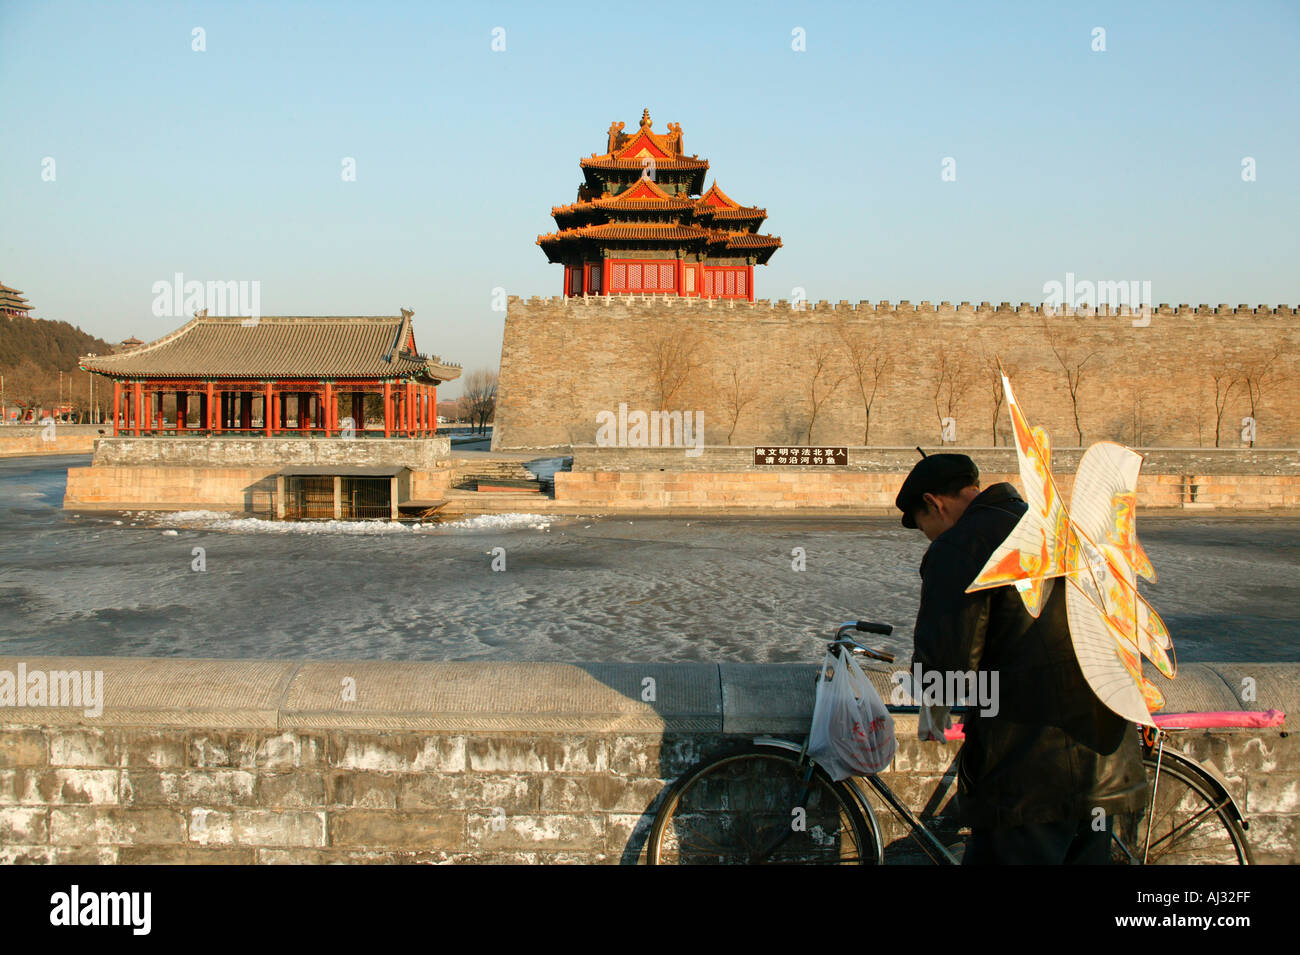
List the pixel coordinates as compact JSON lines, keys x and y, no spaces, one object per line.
{"x":24,"y":440}
{"x":201,"y":761}
{"x":232,"y":474}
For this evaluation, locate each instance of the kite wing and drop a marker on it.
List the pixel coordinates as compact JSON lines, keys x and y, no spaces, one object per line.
{"x":1103,"y":511}
{"x":1036,"y":547}
{"x":1094,"y":546}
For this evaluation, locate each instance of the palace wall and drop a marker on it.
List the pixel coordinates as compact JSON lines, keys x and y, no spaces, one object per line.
{"x":1150,"y":384}
{"x":281,"y":761}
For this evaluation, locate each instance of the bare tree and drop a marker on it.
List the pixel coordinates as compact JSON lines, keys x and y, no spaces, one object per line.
{"x":736,"y":393}
{"x":480,"y":394}
{"x":1224,"y":377}
{"x":1068,"y":358}
{"x":672,"y":356}
{"x":951,"y":380}
{"x":868,"y":364}
{"x":1258,"y":372}
{"x":823,"y":380}
{"x":993,"y":378}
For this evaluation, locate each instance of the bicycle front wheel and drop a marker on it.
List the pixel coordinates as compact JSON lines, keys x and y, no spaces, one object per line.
{"x":1190,"y":823}
{"x":760,"y":806}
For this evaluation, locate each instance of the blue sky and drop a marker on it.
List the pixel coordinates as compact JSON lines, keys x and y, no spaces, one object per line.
{"x":225,"y":164}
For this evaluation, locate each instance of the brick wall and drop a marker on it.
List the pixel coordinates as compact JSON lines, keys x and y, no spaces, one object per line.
{"x":565,"y":360}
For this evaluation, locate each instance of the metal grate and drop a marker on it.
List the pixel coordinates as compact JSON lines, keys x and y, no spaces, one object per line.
{"x":366,"y":498}
{"x":309,"y":498}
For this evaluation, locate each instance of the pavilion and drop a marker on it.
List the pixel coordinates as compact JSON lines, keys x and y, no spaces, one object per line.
{"x":274,"y":376}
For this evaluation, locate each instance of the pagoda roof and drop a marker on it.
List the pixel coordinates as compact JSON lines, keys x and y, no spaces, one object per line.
{"x":645,"y":195}
{"x":719,"y":205}
{"x":748,"y":240}
{"x":280,"y":346}
{"x":702,"y":223}
{"x":672,"y":231}
{"x":12,"y":299}
{"x":609,"y":162}
{"x":628,"y":151}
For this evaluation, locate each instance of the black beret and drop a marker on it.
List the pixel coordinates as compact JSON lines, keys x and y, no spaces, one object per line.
{"x":931,"y":474}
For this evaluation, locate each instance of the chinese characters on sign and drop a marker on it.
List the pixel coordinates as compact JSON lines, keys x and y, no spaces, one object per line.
{"x":801,"y":456}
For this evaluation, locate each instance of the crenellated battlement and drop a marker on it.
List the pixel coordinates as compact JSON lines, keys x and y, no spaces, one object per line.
{"x":1023,"y":309}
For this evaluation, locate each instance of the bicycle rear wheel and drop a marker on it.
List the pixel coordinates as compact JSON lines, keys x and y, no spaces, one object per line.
{"x":760,"y":806}
{"x":1191,"y":823}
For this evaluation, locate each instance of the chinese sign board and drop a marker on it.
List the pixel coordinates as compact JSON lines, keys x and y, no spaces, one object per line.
{"x":801,"y":456}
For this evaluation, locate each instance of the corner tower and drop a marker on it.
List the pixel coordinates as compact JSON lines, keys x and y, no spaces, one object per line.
{"x":642,"y":223}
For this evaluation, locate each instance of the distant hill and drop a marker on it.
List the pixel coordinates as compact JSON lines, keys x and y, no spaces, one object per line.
{"x":32,"y":353}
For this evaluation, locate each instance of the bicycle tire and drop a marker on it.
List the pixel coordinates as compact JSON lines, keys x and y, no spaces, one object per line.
{"x":731,"y":809}
{"x":1193,"y":824}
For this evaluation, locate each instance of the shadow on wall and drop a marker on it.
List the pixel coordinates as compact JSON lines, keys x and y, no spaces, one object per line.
{"x":694,"y":734}
{"x":259,"y":498}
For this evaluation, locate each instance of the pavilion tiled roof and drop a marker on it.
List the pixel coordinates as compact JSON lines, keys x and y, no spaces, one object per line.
{"x":280,"y":347}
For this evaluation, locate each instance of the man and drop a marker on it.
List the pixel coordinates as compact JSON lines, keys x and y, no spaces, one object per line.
{"x":1040,"y":779}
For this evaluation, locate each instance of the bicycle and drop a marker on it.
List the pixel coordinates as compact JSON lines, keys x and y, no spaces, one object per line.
{"x":770,"y":803}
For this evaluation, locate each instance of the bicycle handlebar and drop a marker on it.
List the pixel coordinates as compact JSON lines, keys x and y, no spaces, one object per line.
{"x":863,"y":626}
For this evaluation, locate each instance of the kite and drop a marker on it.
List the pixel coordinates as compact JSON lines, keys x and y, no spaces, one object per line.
{"x":1092,"y":544}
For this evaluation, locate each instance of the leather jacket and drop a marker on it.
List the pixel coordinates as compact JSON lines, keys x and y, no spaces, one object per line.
{"x":1052,"y":751}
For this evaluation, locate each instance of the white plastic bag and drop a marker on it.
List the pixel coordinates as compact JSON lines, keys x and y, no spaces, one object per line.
{"x":852,"y":732}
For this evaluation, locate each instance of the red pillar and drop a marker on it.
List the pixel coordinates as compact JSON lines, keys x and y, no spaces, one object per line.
{"x":410,"y":409}
{"x":117,"y":404}
{"x":388,"y":401}
{"x":209,"y":418}
{"x":749,"y":281}
{"x":329,"y":408}
{"x":604,"y":276}
{"x":433,"y":406}
{"x":266,"y":409}
{"x":182,"y":409}
{"x":136,"y":407}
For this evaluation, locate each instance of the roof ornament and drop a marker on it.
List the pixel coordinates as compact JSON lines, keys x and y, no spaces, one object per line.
{"x":615,"y":129}
{"x":645,"y":119}
{"x":407,"y":312}
{"x":201,"y":313}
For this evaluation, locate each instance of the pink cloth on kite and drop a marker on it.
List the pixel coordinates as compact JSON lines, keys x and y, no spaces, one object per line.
{"x":1228,"y":718}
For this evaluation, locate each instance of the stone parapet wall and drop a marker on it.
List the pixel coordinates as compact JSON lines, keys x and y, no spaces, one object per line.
{"x":195,"y":761}
{"x":564,"y":360}
{"x":1243,"y":461}
{"x":23,"y":440}
{"x":812,"y":488}
{"x":185,"y":451}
